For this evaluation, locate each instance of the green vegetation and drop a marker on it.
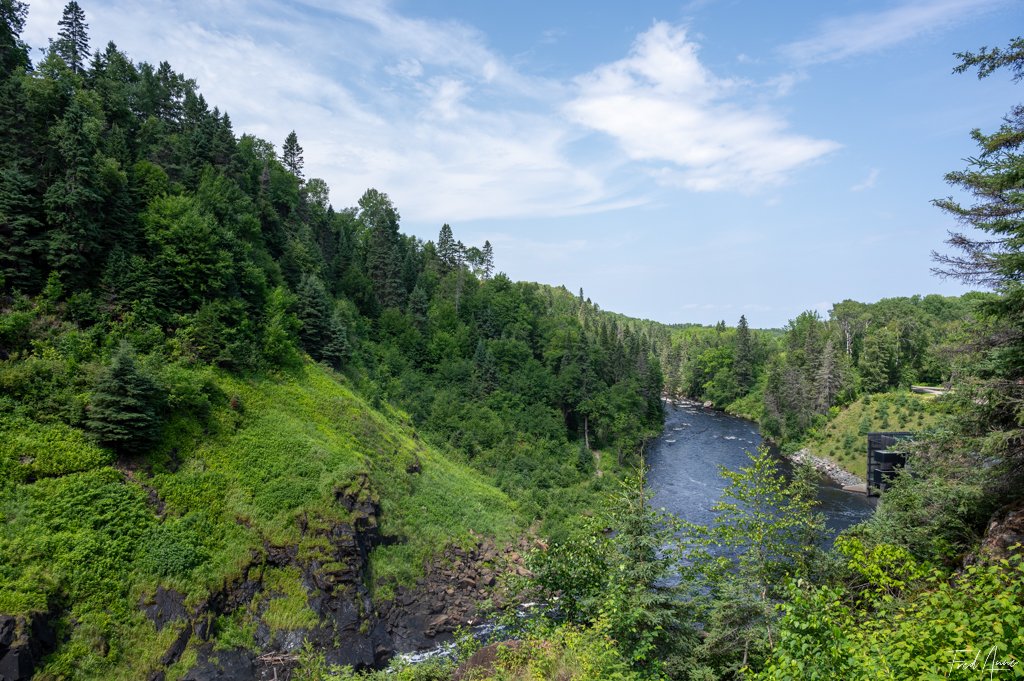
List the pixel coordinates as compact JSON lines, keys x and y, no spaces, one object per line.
{"x":842,"y":437}
{"x":201,"y":360}
{"x":203,"y":363}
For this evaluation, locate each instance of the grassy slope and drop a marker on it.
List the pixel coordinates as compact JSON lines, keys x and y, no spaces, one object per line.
{"x":272,"y":449}
{"x":843,"y":440}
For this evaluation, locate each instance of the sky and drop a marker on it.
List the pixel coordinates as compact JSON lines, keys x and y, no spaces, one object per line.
{"x":679,"y":161}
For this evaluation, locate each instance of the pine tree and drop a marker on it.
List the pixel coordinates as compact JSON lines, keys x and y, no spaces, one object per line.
{"x":123,"y":408}
{"x":72,"y":43}
{"x":291,"y":155}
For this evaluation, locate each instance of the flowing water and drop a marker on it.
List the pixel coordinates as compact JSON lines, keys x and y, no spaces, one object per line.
{"x":684,"y":466}
{"x":684,"y":476}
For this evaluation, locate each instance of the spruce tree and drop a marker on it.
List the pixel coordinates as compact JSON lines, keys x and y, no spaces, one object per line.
{"x":488,"y":260}
{"x":322,"y":333}
{"x":123,"y":407}
{"x":446,"y":248}
{"x":72,"y":43}
{"x":383,"y":257}
{"x":743,"y":357}
{"x":291,"y":155}
{"x":13,"y":52}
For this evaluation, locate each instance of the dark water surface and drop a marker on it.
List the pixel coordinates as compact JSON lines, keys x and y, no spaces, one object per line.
{"x":684,"y":463}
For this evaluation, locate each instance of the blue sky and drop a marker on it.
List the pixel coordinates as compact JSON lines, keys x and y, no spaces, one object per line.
{"x":681,"y":161}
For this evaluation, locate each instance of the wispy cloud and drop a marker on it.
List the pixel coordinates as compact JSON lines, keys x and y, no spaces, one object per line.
{"x":867,"y":183}
{"x":663,"y":106}
{"x":849,"y":36}
{"x":426,"y":110}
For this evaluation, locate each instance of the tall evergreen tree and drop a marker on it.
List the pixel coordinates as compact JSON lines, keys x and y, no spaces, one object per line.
{"x":446,"y":249}
{"x":291,"y":155}
{"x":72,"y":43}
{"x":13,"y":51}
{"x":383,"y":259}
{"x":993,"y":395}
{"x":487,"y":263}
{"x":73,"y":201}
{"x":743,"y":356}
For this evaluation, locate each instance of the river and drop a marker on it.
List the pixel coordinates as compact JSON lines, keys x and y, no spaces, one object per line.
{"x":684,"y":467}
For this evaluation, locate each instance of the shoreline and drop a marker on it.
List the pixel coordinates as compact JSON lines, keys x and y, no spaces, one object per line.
{"x":830,"y":469}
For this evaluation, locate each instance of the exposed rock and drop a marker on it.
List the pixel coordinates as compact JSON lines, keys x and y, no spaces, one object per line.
{"x":1004,"y":535}
{"x":23,"y":643}
{"x":223,"y":665}
{"x":481,"y":663}
{"x":352,"y":629}
{"x":164,"y":606}
{"x":829,"y":469}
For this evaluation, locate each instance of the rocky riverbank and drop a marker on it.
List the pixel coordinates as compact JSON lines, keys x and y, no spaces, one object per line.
{"x":826,"y":467}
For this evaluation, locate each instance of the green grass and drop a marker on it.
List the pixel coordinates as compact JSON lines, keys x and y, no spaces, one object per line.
{"x":269,"y":450}
{"x":844,"y":437}
{"x":287,"y":608}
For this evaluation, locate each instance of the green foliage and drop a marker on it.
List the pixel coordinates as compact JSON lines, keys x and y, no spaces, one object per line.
{"x":843,"y":437}
{"x":73,"y":538}
{"x":917,"y":623}
{"x":175,"y":547}
{"x":123,"y":407}
{"x":31,"y":450}
{"x":765,"y":532}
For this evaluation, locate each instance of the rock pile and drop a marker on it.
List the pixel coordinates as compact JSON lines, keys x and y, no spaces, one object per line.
{"x":826,"y":467}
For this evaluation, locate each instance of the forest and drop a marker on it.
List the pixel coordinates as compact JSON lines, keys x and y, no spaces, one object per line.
{"x":240,"y":429}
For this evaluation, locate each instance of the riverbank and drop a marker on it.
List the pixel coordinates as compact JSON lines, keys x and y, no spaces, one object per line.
{"x":830,"y":469}
{"x":834,"y":470}
{"x":686,"y":461}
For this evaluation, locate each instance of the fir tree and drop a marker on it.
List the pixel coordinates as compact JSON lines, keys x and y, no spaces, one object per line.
{"x":72,"y":43}
{"x":123,"y":408}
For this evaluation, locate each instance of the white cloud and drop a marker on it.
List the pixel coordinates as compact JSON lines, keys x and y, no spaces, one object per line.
{"x":426,"y":111}
{"x":867,"y":183}
{"x":663,"y":106}
{"x":857,"y":34}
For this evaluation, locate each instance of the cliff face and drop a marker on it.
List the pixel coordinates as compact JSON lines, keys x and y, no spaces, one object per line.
{"x":305,"y":515}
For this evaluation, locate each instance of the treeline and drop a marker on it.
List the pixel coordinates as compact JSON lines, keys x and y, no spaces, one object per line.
{"x":789,"y":379}
{"x":133,"y":217}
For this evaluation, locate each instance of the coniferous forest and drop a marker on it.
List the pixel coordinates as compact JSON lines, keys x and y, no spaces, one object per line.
{"x":247,"y":434}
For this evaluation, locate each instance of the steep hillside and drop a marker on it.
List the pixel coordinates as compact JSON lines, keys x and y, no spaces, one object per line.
{"x":843,"y":437}
{"x":244,"y":522}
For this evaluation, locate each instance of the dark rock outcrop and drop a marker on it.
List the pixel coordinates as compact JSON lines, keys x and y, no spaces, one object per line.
{"x":482,"y":662}
{"x":23,"y":643}
{"x":163,"y":607}
{"x":1004,"y":535}
{"x":352,"y":629}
